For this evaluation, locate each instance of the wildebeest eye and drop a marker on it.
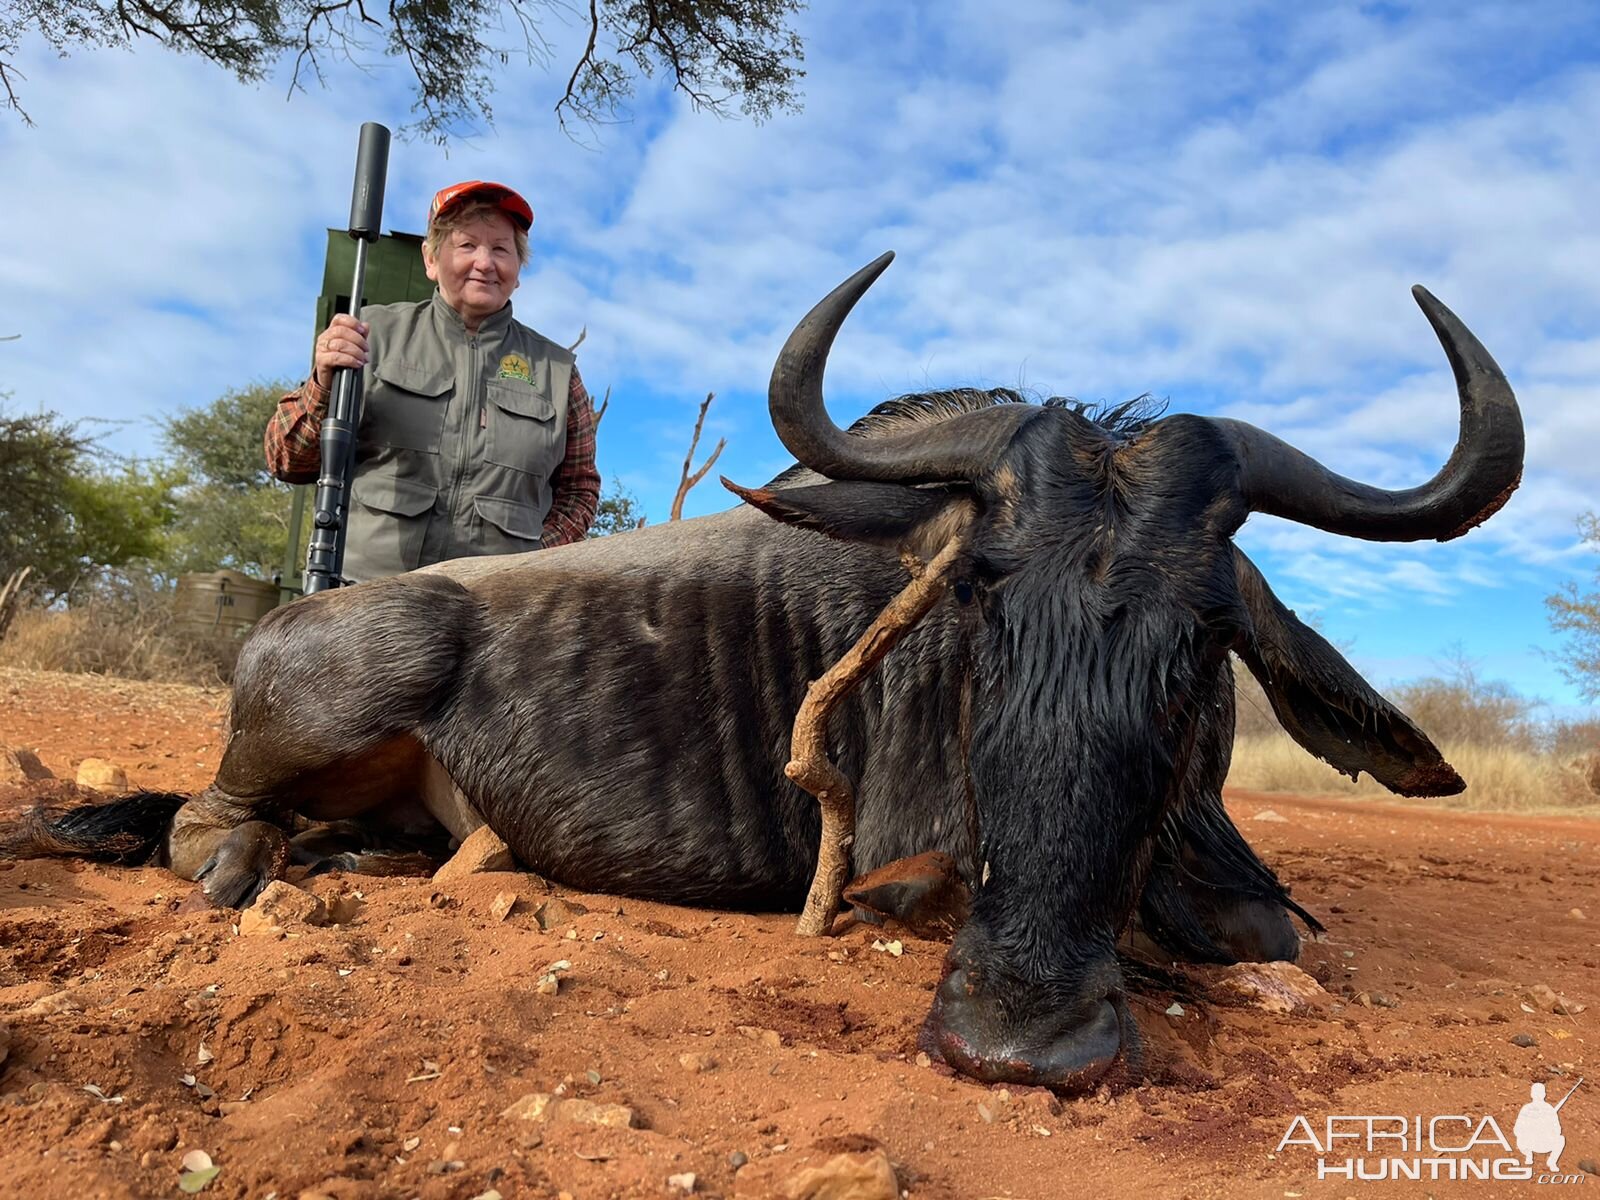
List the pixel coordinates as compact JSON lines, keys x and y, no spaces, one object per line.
{"x":964,"y":591}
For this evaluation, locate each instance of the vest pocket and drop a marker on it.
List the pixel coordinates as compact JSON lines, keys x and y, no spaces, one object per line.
{"x":506,"y":526}
{"x":522,"y":427}
{"x":405,"y":405}
{"x":389,"y":520}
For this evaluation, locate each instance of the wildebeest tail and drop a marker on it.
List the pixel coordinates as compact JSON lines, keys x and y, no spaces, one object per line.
{"x":128,"y":830}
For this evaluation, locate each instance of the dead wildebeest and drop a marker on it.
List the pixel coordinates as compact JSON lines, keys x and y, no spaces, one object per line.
{"x":1060,"y":723}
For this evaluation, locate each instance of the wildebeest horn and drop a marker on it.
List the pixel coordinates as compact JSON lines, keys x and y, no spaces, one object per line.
{"x":953,"y":450}
{"x":1482,"y":472}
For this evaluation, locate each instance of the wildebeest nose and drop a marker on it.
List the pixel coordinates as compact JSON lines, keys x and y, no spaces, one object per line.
{"x":1066,"y":1052}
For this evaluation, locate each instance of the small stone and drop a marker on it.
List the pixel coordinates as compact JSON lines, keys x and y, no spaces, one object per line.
{"x":484,"y":850}
{"x":410,"y":1144}
{"x":445,"y":1166}
{"x":1543,"y":995}
{"x":696,"y":1063}
{"x":21,"y":765}
{"x":542,"y":1106}
{"x":281,"y":906}
{"x":549,"y":984}
{"x":555,"y":912}
{"x":922,"y":1060}
{"x":1385,"y":1000}
{"x":767,"y":1037}
{"x":55,"y":1002}
{"x":1586,"y":1165}
{"x":1526,"y":1040}
{"x":1577,"y":915}
{"x":502,"y":906}
{"x":491,"y":1194}
{"x":1276,"y":987}
{"x":1266,"y":814}
{"x":1174,"y":1009}
{"x":846,"y":1177}
{"x":738,"y":1159}
{"x":682,"y":1183}
{"x":102,"y":776}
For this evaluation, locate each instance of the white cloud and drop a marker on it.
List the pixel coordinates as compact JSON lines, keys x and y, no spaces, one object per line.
{"x":1220,"y":203}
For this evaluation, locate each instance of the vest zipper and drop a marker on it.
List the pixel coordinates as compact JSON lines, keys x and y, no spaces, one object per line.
{"x":462,"y":520}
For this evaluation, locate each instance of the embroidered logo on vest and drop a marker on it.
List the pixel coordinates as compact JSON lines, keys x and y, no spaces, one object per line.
{"x":514,"y":366}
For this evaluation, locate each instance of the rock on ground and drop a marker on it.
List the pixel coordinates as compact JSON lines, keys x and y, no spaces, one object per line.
{"x":847,"y":1177}
{"x":102,"y":776}
{"x":279,"y":906}
{"x":1276,"y":987}
{"x":484,"y":850}
{"x":21,"y":765}
{"x":542,"y":1106}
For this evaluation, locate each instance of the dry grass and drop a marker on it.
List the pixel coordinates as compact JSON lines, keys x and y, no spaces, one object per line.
{"x":130,"y":633}
{"x":1499,"y":778}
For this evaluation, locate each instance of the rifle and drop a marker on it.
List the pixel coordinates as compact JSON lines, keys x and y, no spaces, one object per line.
{"x":1568,"y":1096}
{"x":325,"y":554}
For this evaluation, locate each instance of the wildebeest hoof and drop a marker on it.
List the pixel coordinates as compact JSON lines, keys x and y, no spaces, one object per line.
{"x":926,"y":894}
{"x":249,"y":858}
{"x":1255,"y":930}
{"x":1064,"y":1053}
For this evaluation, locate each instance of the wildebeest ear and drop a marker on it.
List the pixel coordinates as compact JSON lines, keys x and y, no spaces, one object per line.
{"x":1325,"y":705}
{"x":920,"y":519}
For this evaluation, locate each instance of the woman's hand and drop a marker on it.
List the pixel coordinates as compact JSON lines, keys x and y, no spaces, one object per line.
{"x":342,"y":344}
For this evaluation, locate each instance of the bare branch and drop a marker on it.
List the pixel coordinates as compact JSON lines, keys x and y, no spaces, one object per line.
{"x":687,"y":481}
{"x":605,"y":403}
{"x":582,"y":333}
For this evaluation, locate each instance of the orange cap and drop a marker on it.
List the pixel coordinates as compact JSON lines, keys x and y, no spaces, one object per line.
{"x":498,"y":194}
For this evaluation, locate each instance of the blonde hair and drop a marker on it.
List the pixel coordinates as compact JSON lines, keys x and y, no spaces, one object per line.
{"x":469,"y":211}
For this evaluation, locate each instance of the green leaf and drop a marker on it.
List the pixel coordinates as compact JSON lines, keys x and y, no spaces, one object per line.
{"x":191,"y":1182}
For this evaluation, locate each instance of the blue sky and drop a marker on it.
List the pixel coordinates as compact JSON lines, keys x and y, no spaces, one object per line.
{"x":1223,"y":204}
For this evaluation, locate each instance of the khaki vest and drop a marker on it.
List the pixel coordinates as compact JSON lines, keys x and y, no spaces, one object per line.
{"x":460,"y":435}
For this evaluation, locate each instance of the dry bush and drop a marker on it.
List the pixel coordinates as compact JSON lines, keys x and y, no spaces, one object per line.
{"x":1501,"y":778}
{"x":121,"y":626}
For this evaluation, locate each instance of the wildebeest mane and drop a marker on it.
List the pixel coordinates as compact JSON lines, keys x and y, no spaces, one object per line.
{"x":932,"y":408}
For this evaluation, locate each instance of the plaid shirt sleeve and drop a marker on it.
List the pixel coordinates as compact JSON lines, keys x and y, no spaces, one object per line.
{"x":575,"y":487}
{"x":293,"y":441}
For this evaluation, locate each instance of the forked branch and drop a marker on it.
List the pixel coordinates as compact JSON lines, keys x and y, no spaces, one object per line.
{"x":809,"y":765}
{"x":687,"y":481}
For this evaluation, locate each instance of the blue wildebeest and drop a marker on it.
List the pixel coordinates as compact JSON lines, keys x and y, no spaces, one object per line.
{"x":620,"y":711}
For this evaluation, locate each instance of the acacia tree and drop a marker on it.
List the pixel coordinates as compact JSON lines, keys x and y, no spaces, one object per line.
{"x":66,"y":512}
{"x":718,"y":53}
{"x":1577,"y":614}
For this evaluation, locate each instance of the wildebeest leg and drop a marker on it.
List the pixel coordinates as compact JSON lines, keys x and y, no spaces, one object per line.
{"x":1209,"y":898}
{"x":328,"y":697}
{"x":223,"y":846}
{"x":372,"y":847}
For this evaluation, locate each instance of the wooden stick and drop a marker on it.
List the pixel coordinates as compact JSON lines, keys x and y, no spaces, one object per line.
{"x":809,"y":765}
{"x":11,"y":596}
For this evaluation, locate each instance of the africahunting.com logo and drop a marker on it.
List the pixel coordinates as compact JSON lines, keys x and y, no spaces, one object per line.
{"x":1454,"y":1146}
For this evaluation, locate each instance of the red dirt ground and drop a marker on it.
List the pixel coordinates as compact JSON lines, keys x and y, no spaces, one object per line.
{"x":375,"y":1057}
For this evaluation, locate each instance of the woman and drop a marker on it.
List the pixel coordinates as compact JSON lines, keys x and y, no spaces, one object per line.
{"x":476,"y":433}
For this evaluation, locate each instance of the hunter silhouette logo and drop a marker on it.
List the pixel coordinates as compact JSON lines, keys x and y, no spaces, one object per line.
{"x":514,"y":366}
{"x":1538,"y":1127}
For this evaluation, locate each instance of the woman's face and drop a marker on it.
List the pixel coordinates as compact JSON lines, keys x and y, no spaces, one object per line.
{"x":476,"y":267}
